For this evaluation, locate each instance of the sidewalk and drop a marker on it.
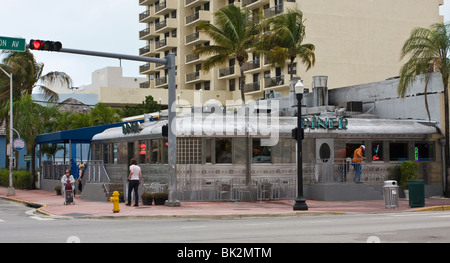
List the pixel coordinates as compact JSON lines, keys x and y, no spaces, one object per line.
{"x":50,"y":204}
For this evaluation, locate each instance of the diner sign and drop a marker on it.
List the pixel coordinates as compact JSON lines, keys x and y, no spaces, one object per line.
{"x":133,"y":127}
{"x":324,"y":123}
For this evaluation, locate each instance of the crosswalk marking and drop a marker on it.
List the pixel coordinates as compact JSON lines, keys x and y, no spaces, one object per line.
{"x":2,"y":220}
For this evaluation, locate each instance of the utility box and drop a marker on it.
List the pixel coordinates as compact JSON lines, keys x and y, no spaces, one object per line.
{"x":416,"y":193}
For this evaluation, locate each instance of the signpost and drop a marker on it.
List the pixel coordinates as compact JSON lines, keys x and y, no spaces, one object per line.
{"x":13,"y":44}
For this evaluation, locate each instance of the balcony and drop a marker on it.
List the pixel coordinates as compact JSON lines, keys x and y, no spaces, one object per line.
{"x":195,"y":77}
{"x":145,"y":85}
{"x":200,"y":16}
{"x":161,"y":82}
{"x":196,"y":38}
{"x":166,"y":44}
{"x":165,"y":7}
{"x":147,"y":33}
{"x":194,"y":58}
{"x":251,"y":65}
{"x":144,"y":69}
{"x":193,"y":3}
{"x":276,"y":82}
{"x":253,"y":4}
{"x":166,"y":25}
{"x":273,"y":11}
{"x":148,"y":51}
{"x":252,"y":87}
{"x":229,"y":72}
{"x":146,"y":2}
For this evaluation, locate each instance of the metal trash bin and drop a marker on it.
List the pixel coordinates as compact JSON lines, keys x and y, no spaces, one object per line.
{"x":416,"y":193}
{"x":390,"y":194}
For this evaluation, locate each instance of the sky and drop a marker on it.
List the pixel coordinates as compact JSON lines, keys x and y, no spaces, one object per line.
{"x":99,"y":25}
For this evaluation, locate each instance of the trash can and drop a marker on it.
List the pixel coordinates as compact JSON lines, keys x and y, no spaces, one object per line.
{"x":416,"y":193}
{"x":390,"y":193}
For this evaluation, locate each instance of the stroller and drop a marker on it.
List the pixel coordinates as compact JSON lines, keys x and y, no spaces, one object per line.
{"x":69,"y":195}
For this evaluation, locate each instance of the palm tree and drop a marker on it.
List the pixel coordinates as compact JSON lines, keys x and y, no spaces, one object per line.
{"x":27,"y":72}
{"x":235,"y":35}
{"x":427,"y":48}
{"x":30,"y":119}
{"x":285,"y":42}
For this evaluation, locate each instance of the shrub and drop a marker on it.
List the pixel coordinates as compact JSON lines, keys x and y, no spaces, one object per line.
{"x":21,"y":179}
{"x":409,"y":171}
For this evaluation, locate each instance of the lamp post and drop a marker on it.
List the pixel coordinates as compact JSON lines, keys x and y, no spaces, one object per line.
{"x":11,"y":190}
{"x":300,"y":201}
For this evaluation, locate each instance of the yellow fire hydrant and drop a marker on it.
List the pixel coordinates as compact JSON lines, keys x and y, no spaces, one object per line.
{"x":115,"y":200}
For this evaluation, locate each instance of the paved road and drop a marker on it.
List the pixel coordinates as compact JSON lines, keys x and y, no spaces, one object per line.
{"x":19,"y":224}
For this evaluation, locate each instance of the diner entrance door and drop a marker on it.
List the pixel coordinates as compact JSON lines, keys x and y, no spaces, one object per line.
{"x":324,"y":160}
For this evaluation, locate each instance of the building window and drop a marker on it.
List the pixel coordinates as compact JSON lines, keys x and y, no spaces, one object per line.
{"x":424,"y":151}
{"x":223,"y":150}
{"x":189,"y":150}
{"x":261,"y":154}
{"x":377,"y":151}
{"x":398,"y":151}
{"x":284,"y":151}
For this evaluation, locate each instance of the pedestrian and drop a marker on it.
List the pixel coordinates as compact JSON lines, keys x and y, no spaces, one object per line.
{"x":80,"y":177}
{"x":358,"y":157}
{"x":134,"y":180}
{"x":67,"y":181}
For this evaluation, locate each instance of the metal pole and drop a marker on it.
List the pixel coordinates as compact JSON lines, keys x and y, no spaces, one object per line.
{"x":172,"y":137}
{"x":300,"y":201}
{"x":10,"y":191}
{"x":112,"y":55}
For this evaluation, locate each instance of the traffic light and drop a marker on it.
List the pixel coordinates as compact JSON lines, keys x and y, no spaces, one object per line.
{"x":46,"y":45}
{"x":165,"y":130}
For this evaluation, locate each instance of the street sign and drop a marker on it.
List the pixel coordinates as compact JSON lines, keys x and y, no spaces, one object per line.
{"x":13,"y":44}
{"x":19,"y":144}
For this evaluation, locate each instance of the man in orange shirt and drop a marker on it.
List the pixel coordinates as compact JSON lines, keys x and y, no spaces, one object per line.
{"x":358,"y":157}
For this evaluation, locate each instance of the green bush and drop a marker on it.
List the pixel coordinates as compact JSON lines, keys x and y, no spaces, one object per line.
{"x":21,"y":179}
{"x":409,"y":171}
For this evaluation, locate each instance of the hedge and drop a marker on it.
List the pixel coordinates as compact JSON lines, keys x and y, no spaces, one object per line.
{"x":21,"y":179}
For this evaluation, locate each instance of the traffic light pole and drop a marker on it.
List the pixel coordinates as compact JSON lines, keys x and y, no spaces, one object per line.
{"x":114,"y":55}
{"x":169,"y":61}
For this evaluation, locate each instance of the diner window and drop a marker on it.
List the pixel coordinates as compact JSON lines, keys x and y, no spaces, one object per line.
{"x":398,"y":151}
{"x":154,"y":156}
{"x":208,"y":151}
{"x":223,"y":151}
{"x":261,"y":154}
{"x":142,"y":151}
{"x":377,"y":151}
{"x":425,"y":151}
{"x":284,"y":151}
{"x":121,"y":151}
{"x":239,"y":150}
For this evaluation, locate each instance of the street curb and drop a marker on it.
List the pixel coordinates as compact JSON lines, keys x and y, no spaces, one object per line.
{"x":38,"y":206}
{"x":213,"y":217}
{"x":433,"y":208}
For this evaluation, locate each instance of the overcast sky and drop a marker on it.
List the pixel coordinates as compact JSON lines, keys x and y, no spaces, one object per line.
{"x":99,"y":25}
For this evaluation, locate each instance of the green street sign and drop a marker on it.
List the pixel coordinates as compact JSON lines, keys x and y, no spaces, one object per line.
{"x":13,"y":44}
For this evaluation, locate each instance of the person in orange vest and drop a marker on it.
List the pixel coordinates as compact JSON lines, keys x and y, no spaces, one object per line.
{"x":358,"y":157}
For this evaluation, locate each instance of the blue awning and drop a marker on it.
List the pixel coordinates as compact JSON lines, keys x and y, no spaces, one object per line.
{"x":82,"y":135}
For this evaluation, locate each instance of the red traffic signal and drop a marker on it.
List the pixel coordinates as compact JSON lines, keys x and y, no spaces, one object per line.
{"x":46,"y":45}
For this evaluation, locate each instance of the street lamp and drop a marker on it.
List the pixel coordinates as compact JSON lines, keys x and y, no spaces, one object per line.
{"x":11,"y":190}
{"x":300,"y":201}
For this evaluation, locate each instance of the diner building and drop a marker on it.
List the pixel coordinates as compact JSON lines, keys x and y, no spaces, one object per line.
{"x":234,"y":153}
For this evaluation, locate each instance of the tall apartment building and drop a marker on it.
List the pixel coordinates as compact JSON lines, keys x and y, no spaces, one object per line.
{"x":357,"y":41}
